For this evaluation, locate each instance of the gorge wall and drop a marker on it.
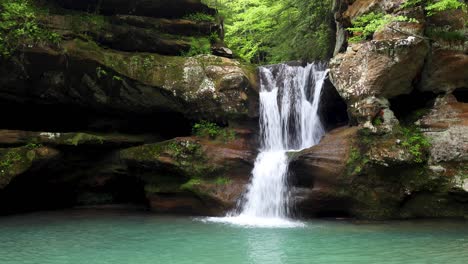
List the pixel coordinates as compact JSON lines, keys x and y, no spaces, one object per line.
{"x":405,"y":87}
{"x":140,"y":102}
{"x":105,"y":114}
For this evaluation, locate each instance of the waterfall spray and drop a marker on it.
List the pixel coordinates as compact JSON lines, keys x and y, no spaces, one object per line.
{"x":289,"y":121}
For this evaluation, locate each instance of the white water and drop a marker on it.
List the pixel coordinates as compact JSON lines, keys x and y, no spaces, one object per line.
{"x":289,"y":121}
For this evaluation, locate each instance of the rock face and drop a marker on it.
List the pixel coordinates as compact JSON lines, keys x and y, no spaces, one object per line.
{"x":157,"y":8}
{"x":105,"y":116}
{"x":408,"y":165}
{"x":106,"y":80}
{"x":376,"y":69}
{"x":193,"y":175}
{"x":447,"y":126}
{"x":354,"y":173}
{"x":445,"y":71}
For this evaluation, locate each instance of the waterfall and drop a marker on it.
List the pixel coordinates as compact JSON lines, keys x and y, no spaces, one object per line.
{"x":289,"y":121}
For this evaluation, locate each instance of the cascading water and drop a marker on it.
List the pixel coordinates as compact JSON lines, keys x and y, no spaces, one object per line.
{"x":289,"y":121}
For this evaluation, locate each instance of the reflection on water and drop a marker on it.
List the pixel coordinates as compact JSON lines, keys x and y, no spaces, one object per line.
{"x":77,"y":237}
{"x":265,"y":250}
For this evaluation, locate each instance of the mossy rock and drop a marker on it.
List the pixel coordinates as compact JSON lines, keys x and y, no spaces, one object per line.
{"x":15,"y":161}
{"x":83,"y":74}
{"x":182,"y":156}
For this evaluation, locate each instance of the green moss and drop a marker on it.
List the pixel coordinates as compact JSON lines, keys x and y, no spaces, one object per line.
{"x":189,"y":186}
{"x":80,"y":138}
{"x":14,"y":161}
{"x":222,"y":181}
{"x":356,"y":161}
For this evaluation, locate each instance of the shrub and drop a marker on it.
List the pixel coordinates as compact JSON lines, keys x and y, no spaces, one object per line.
{"x":19,"y":27}
{"x":364,"y":26}
{"x":198,"y":46}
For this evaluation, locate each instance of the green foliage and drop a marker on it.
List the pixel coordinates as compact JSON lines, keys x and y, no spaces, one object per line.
{"x":445,"y":34}
{"x":269,"y":31}
{"x":8,"y":160}
{"x":364,"y":26}
{"x":32,"y":146}
{"x":214,"y":37}
{"x":19,"y":27}
{"x":183,"y":150}
{"x":198,"y":46}
{"x":200,"y":17}
{"x":117,"y":78}
{"x":213,"y":131}
{"x":432,"y":7}
{"x":377,"y":121}
{"x":206,"y":129}
{"x":415,"y":142}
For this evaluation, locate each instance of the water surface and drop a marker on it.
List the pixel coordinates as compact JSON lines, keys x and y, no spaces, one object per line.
{"x":117,"y":237}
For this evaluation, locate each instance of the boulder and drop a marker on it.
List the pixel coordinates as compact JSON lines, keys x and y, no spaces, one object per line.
{"x":194,"y":175}
{"x":361,"y":7}
{"x":355,"y":173}
{"x":446,"y":125}
{"x":376,"y":70}
{"x":445,"y":71}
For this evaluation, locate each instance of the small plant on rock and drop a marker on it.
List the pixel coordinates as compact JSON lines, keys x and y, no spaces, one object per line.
{"x":19,"y":27}
{"x":206,"y":129}
{"x":416,"y":143}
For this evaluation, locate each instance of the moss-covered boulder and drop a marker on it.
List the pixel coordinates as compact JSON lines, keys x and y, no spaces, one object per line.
{"x":375,"y":177}
{"x":193,"y":175}
{"x":15,"y":161}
